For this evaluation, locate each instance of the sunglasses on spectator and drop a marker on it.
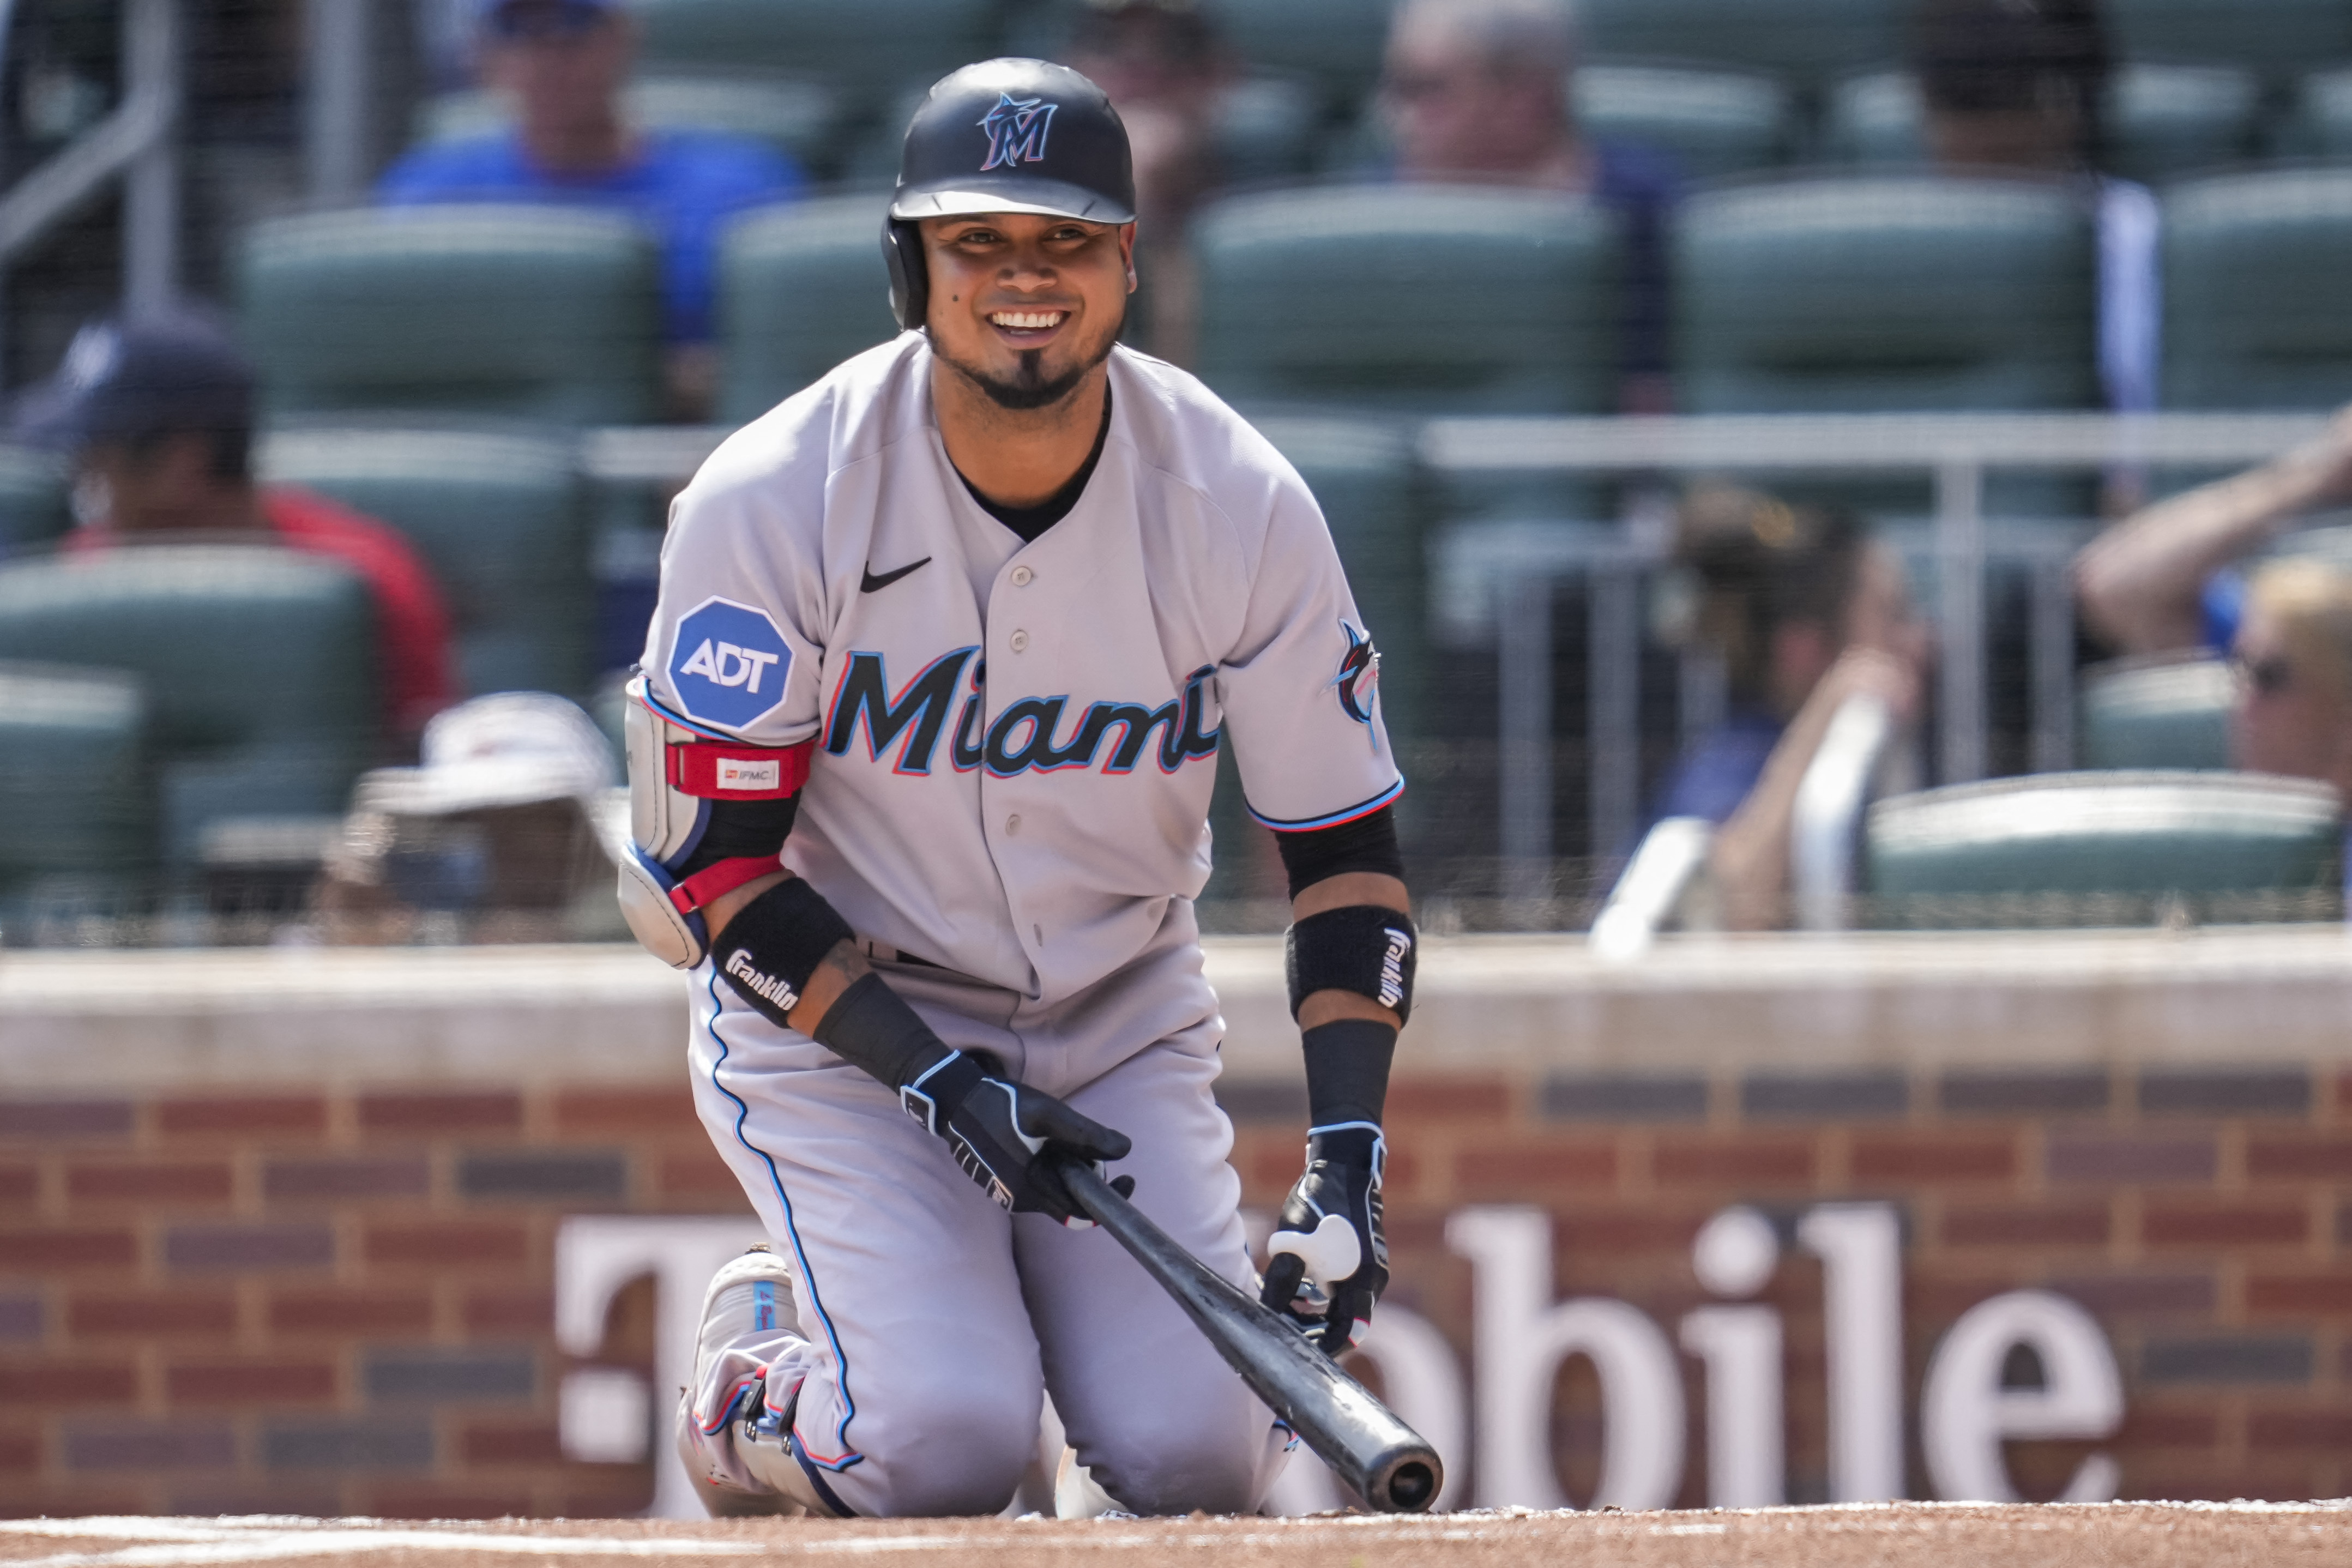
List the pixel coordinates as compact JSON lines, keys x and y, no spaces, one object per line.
{"x":2267,"y":676}
{"x":533,"y":21}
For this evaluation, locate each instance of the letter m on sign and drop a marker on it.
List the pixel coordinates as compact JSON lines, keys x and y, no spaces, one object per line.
{"x":919,"y":713}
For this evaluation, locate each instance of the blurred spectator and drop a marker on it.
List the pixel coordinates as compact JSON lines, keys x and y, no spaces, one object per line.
{"x":2293,"y":657}
{"x":1477,"y":91}
{"x":497,"y":837}
{"x":2166,"y":578}
{"x":1164,"y":69}
{"x":1805,"y":611}
{"x":2022,"y":85}
{"x":564,"y":63}
{"x":158,"y":417}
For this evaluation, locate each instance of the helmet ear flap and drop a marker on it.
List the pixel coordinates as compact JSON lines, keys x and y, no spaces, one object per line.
{"x":902,"y":252}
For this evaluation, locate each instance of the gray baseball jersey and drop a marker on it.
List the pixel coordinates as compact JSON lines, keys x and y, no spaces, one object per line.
{"x":1015,"y":751}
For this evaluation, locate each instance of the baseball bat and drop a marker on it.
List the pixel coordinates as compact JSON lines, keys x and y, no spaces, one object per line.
{"x":1385,"y":1461}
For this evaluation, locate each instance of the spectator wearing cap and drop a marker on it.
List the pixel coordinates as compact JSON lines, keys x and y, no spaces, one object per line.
{"x":502,"y":833}
{"x":1477,"y":91}
{"x":157,"y":415}
{"x":563,"y":64}
{"x":1164,"y":69}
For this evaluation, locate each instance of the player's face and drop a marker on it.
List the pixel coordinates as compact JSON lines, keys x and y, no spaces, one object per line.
{"x":1026,"y":305}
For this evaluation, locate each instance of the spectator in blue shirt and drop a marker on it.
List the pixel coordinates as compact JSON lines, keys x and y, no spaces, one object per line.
{"x":562,"y":63}
{"x":1804,"y":610}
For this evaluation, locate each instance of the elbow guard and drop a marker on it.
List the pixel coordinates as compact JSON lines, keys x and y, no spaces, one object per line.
{"x":675,"y":772}
{"x":1362,"y":948}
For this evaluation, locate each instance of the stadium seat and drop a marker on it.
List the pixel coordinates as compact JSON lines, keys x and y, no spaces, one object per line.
{"x":1712,"y":121}
{"x":1410,"y":299}
{"x":1337,"y":45}
{"x":2106,"y":848}
{"x":258,"y":664}
{"x":77,"y":807}
{"x":1266,"y":130}
{"x":1875,"y":117}
{"x":1885,"y":293}
{"x":796,"y":118}
{"x":528,"y":311}
{"x":2278,"y":38}
{"x":2321,"y":123}
{"x":2256,"y":311}
{"x":501,"y":517}
{"x":2170,"y":715}
{"x":867,"y":48}
{"x":35,"y":507}
{"x":2162,"y":120}
{"x":802,"y":287}
{"x":1806,"y":39}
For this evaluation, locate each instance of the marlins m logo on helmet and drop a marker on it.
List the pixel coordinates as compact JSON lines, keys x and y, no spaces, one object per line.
{"x":1016,"y":130}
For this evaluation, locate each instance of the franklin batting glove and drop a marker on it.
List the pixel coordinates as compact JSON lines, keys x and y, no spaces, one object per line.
{"x":1007,"y":1137}
{"x":1328,"y":1262}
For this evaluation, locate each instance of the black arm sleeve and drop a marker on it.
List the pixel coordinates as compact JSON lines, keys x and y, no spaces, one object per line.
{"x":1367,"y":844}
{"x":742,"y":827}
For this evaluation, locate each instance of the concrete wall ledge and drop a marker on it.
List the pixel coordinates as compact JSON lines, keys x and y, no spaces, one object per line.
{"x":1516,"y":1004}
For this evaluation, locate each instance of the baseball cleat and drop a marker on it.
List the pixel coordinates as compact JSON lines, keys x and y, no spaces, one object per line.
{"x":729,"y":1441}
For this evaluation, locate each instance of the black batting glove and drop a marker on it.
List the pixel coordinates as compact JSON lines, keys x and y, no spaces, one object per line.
{"x":1009,"y":1138}
{"x":1328,"y":1262}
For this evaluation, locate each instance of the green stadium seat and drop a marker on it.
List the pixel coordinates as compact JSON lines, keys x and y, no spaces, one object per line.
{"x":36,"y":508}
{"x":802,"y":287}
{"x":2321,"y":123}
{"x":1266,"y":129}
{"x":867,"y":48}
{"x":2106,"y":848}
{"x":1712,"y":121}
{"x":1886,"y":292}
{"x":533,"y":312}
{"x":1806,"y":39}
{"x":501,"y":517}
{"x":2170,"y":715}
{"x":2278,"y":38}
{"x":2162,"y":120}
{"x":2256,"y":311}
{"x":1876,"y":117}
{"x":796,"y":118}
{"x":1421,"y":299}
{"x":1337,"y":45}
{"x":258,"y":664}
{"x":77,"y":807}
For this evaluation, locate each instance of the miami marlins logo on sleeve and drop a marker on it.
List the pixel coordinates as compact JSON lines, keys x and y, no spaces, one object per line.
{"x":1017,"y":130}
{"x":729,"y":664}
{"x":1358,"y":680}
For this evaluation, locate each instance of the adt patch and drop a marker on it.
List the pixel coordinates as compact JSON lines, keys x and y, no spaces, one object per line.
{"x":728,"y":663}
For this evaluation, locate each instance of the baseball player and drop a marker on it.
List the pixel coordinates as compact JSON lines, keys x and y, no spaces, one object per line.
{"x":921,"y":757}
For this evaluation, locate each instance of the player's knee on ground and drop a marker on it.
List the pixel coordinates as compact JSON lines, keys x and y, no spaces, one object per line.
{"x":958,"y":1451}
{"x":1153,"y":1470}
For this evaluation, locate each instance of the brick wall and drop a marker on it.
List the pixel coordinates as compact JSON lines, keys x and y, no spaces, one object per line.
{"x":279,"y":1300}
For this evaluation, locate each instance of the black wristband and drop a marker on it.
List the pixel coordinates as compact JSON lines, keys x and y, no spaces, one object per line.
{"x":774,"y":943}
{"x":1348,"y":1070}
{"x":869,"y":1025}
{"x":1362,"y":948}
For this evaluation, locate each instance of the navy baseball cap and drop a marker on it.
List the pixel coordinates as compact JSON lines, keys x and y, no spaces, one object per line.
{"x":1015,"y":136}
{"x":124,"y":381}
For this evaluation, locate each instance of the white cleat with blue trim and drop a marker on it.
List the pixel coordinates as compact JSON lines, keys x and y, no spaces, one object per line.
{"x":734,"y":1443}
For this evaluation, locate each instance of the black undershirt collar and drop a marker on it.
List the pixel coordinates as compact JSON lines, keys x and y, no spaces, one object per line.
{"x":1032,"y":521}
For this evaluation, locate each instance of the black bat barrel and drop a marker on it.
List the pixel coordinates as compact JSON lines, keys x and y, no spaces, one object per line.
{"x":1385,"y":1461}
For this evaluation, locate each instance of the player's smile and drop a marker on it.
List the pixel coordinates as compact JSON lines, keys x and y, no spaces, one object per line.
{"x":1025,"y":304}
{"x":1027,"y":329}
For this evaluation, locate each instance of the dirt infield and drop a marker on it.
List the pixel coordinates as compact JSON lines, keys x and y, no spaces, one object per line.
{"x":2143,"y":1535}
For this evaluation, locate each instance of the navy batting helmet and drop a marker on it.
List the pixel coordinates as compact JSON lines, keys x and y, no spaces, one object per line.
{"x":1005,"y":135}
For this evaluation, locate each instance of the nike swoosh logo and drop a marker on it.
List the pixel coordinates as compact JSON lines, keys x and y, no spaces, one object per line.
{"x":873,"y":585}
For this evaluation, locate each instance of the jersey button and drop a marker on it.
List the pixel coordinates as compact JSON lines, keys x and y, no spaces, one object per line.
{"x":1013,"y":824}
{"x":1020,"y":642}
{"x":1020,"y":576}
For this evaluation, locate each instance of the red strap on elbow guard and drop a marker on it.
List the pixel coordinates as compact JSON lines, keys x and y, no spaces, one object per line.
{"x":717,"y":882}
{"x":722,"y":770}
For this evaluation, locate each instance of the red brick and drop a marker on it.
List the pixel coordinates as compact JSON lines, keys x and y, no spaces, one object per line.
{"x":1733,"y":1162}
{"x":1923,"y":1159}
{"x":447,"y":1242}
{"x":21,"y":1250}
{"x":1510,"y":1167}
{"x":249,"y":1383}
{"x":511,"y":1443}
{"x":440,"y":1112}
{"x":2298,"y":1157}
{"x":611,"y":1111}
{"x":697,"y":1176}
{"x":1449,"y":1098}
{"x":68,"y":1382}
{"x":428,"y":1501}
{"x":2299,"y":1293}
{"x":375,"y":1312}
{"x":509,"y":1311}
{"x":156,"y":1182}
{"x":2148,"y":1428}
{"x":1583,"y":1230}
{"x":19,"y":1183}
{"x":242,"y":1115}
{"x":19,"y":1452}
{"x":2243,"y":1224}
{"x":2070,"y":1224}
{"x":146,"y":1315}
{"x":2299,"y":1429}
